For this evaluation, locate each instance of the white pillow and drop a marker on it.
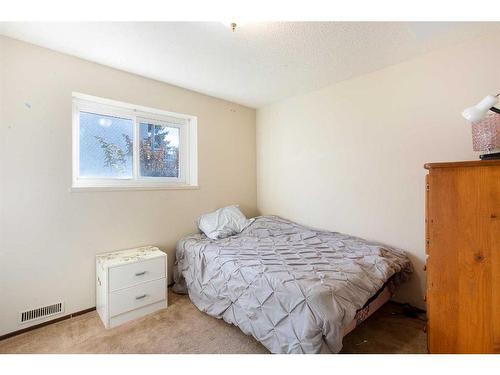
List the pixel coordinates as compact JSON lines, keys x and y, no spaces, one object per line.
{"x":224,"y":222}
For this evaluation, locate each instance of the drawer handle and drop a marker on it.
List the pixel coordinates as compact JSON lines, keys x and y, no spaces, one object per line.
{"x":140,"y":273}
{"x":141,"y":297}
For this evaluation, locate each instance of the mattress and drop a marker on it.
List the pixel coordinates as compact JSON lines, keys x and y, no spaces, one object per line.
{"x":373,"y":304}
{"x":293,"y":288}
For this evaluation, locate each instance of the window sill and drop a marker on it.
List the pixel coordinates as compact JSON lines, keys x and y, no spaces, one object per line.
{"x":82,"y":189}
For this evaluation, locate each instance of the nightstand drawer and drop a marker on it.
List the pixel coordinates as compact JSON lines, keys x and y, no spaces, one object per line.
{"x":137,"y":296}
{"x":135,"y":273}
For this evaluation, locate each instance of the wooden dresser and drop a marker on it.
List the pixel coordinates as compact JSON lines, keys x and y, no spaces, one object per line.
{"x":463,"y":257}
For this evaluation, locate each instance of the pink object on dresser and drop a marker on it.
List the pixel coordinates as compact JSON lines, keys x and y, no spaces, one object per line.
{"x":486,"y":133}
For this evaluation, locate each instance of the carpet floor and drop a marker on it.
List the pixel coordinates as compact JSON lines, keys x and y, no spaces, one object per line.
{"x":182,"y":328}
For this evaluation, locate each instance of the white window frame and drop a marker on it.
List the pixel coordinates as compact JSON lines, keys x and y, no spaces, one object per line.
{"x":188,"y":158}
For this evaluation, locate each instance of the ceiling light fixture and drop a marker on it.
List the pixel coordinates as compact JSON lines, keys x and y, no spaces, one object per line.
{"x":233,"y":25}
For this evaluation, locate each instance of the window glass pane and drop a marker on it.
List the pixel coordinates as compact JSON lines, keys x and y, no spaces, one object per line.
{"x":159,"y":150}
{"x":106,"y":146}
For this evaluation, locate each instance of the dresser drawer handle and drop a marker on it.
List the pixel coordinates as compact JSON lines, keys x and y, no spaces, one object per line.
{"x":140,"y":273}
{"x":141,"y":297}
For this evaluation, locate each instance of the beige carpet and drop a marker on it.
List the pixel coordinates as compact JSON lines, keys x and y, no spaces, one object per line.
{"x":182,"y":328}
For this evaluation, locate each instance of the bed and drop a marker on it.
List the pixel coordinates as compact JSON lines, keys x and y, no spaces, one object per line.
{"x":293,"y":288}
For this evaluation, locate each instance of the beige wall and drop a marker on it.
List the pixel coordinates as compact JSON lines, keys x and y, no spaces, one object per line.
{"x":350,"y":157}
{"x":48,"y":235}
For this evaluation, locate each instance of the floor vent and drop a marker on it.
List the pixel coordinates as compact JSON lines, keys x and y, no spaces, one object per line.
{"x":41,"y":312}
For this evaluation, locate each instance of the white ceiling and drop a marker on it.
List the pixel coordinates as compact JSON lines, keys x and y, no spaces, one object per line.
{"x":259,"y":63}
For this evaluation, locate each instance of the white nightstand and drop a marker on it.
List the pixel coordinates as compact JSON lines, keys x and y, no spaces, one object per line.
{"x":130,"y":283}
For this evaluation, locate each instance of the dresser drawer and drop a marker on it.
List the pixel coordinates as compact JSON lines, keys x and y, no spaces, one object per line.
{"x":137,"y":296}
{"x":135,"y":273}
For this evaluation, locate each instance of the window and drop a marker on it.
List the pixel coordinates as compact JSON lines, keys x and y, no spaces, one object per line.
{"x":124,"y":146}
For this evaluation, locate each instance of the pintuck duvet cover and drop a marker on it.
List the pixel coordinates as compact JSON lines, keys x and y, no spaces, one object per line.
{"x":291,"y":287}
